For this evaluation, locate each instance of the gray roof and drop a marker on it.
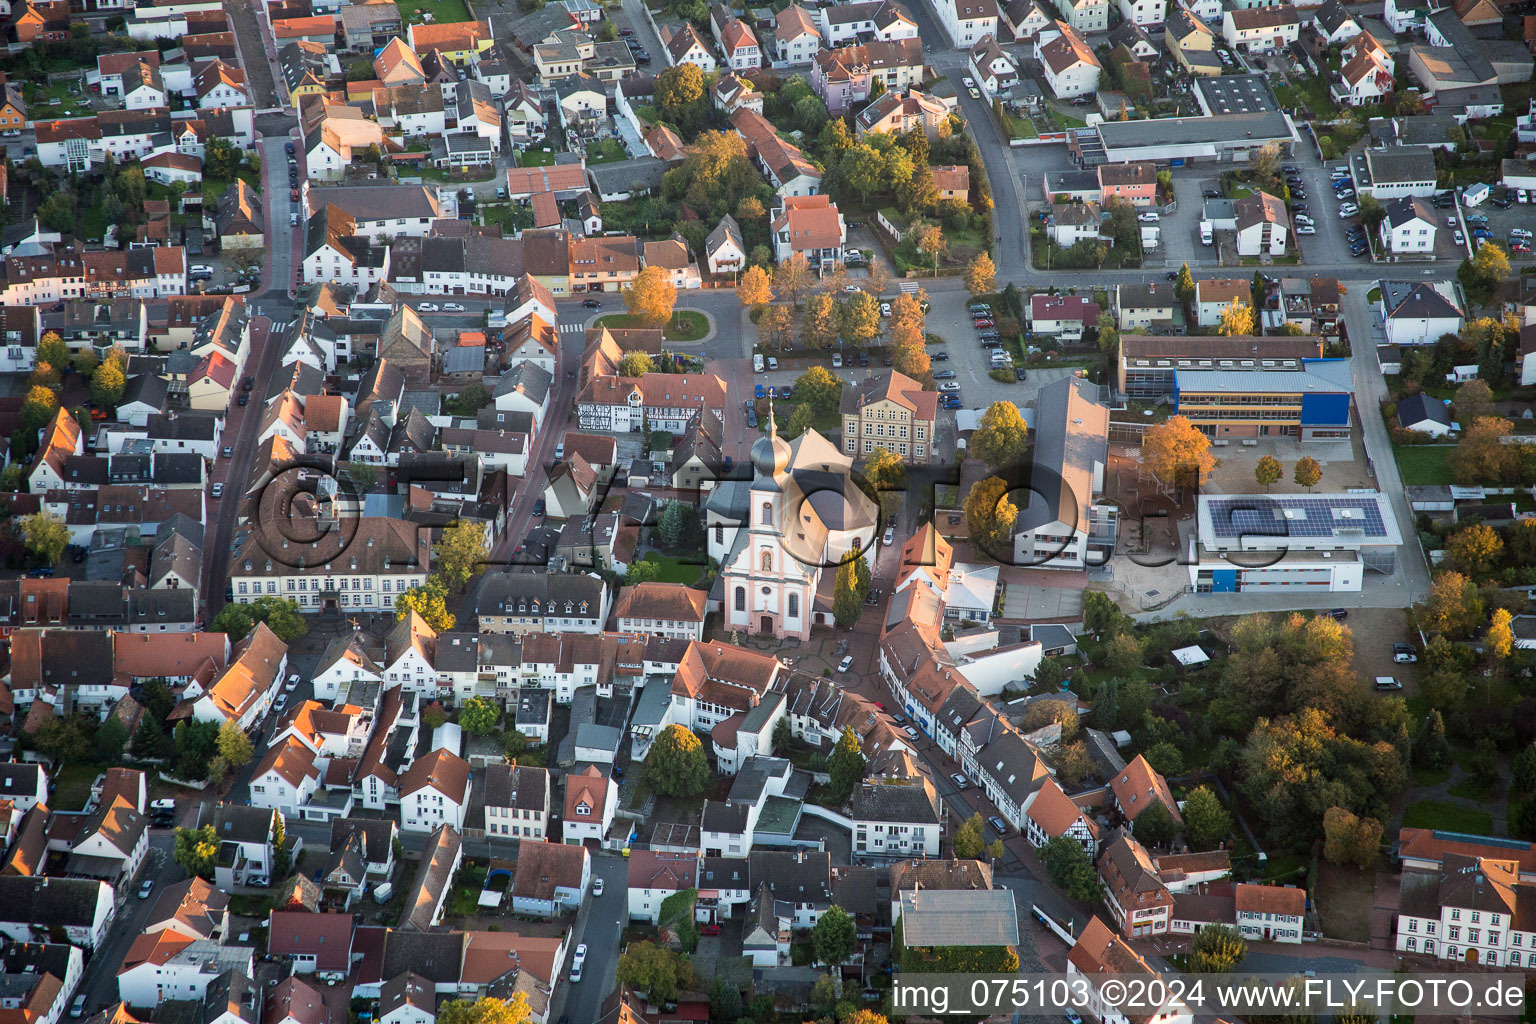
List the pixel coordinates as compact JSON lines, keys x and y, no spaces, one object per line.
{"x":598,"y":737}
{"x":519,"y":786}
{"x":1237,"y":94}
{"x":67,"y":902}
{"x":642,"y":174}
{"x":1318,"y":375}
{"x":1071,"y":436}
{"x":146,"y":389}
{"x":1400,"y":165}
{"x":1052,"y":635}
{"x":1416,"y":300}
{"x":724,"y":816}
{"x":1459,"y":37}
{"x":529,"y":378}
{"x":1243,"y":130}
{"x":464,"y":359}
{"x":797,"y":877}
{"x":1419,"y":408}
{"x":959,"y":917}
{"x":436,"y":956}
{"x":231,"y":992}
{"x":906,"y":801}
{"x":1408,"y":209}
{"x":758,"y":716}
{"x":501,"y":591}
{"x":435,"y":871}
{"x":240,"y":824}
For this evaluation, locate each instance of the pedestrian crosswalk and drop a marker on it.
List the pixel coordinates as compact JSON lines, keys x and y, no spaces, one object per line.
{"x":573,"y":328}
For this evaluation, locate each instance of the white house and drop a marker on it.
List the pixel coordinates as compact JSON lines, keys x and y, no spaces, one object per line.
{"x":1099,"y":950}
{"x":591,"y":799}
{"x":655,"y":875}
{"x":167,"y":965}
{"x":724,"y":250}
{"x":896,"y":818}
{"x":1052,"y":813}
{"x":80,"y":908}
{"x":967,"y":21}
{"x":1145,"y":13}
{"x":1071,"y":68}
{"x":286,"y":778}
{"x":685,"y":46}
{"x":1270,"y":913}
{"x":1262,"y":223}
{"x":434,"y":791}
{"x":1408,"y":226}
{"x":1259,"y":29}
{"x":517,"y":801}
{"x":117,"y":833}
{"x":1419,"y":312}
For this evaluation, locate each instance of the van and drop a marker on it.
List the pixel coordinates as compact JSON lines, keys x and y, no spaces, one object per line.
{"x":1206,"y":234}
{"x":757,"y":362}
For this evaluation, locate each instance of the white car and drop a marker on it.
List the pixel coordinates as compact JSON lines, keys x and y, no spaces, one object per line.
{"x":581,"y":956}
{"x":199,"y":268}
{"x":597,"y":887}
{"x":293,"y":682}
{"x":426,"y":307}
{"x":162,"y":805}
{"x":844,"y":665}
{"x":885,"y":309}
{"x":850,"y":288}
{"x":1348,"y":210}
{"x":910,"y":731}
{"x":218,"y":490}
{"x":960,"y":781}
{"x":950,"y":385}
{"x":773,"y":362}
{"x":1302,"y":218}
{"x":452,"y":307}
{"x":890,"y":535}
{"x":969,"y":82}
{"x":1306,"y":229}
{"x":1149,"y":218}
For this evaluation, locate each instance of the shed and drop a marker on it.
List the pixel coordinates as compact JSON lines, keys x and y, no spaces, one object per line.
{"x":1191,"y":657}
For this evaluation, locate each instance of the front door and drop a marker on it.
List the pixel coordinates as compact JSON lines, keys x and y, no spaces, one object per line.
{"x":766,"y":626}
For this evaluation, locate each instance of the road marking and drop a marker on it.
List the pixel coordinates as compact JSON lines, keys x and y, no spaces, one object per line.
{"x":572,"y":328}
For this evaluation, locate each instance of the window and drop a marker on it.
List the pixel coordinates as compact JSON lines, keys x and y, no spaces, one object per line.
{"x":719,"y":534}
{"x":741,"y":599}
{"x":794,"y":606}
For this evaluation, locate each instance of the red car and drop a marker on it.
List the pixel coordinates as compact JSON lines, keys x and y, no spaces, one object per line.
{"x":710,"y":929}
{"x":982,"y":325}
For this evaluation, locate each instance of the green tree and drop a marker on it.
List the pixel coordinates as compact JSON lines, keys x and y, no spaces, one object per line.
{"x":1122,"y":655}
{"x":1218,"y":949}
{"x":1001,"y":440}
{"x":1206,"y":821}
{"x":196,"y":850}
{"x":635,"y":364}
{"x":800,"y":420}
{"x":819,"y":322}
{"x":150,"y":740}
{"x":1523,"y":771}
{"x":641,"y":571}
{"x":472,"y":397}
{"x":1070,"y":869}
{"x":234,"y":745}
{"x":1165,"y":758}
{"x":282,"y":616}
{"x":110,"y":739}
{"x":678,"y":527}
{"x":221,"y":159}
{"x":1100,"y":613}
{"x":1154,"y":826}
{"x":461,"y":552}
{"x":990,"y":516}
{"x":1308,"y":472}
{"x":1432,"y":750}
{"x":479,"y":715}
{"x":108,"y":381}
{"x":676,"y":765}
{"x":429,"y":600}
{"x":46,"y":536}
{"x":859,"y":321}
{"x":834,"y":936}
{"x":884,"y":470}
{"x":862,"y":168}
{"x":847,"y":602}
{"x":846,"y":766}
{"x":970,"y":840}
{"x":234,"y":619}
{"x":1453,"y":608}
{"x":654,"y":970}
{"x":1184,"y":287}
{"x":485,"y":1010}
{"x":1267,"y":471}
{"x":52,"y":350}
{"x":818,"y":388}
{"x":1350,"y":839}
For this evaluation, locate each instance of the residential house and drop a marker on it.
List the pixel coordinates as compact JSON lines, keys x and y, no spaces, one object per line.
{"x":517,"y":801}
{"x":810,"y":226}
{"x":995,"y":71}
{"x":1263,"y":225}
{"x":1270,"y":913}
{"x":1144,"y":307}
{"x":1099,"y":951}
{"x":434,"y":791}
{"x":1071,"y":69}
{"x":724,"y":251}
{"x":684,"y":45}
{"x":79,"y":909}
{"x":312,"y":943}
{"x":737,"y":40}
{"x":897,"y":112}
{"x":795,"y":37}
{"x":1137,"y":787}
{"x":591,"y":799}
{"x":1408,"y":226}
{"x":1420,"y":312}
{"x":1052,"y":813}
{"x":429,"y":891}
{"x":663,"y":609}
{"x":654,"y":875}
{"x":1146,"y":13}
{"x":967,"y":21}
{"x":551,"y":878}
{"x":781,"y":161}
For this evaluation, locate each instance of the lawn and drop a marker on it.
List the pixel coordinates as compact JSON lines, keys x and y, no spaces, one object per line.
{"x":606,"y":151}
{"x":72,"y":786}
{"x":441,"y":10}
{"x":535,"y":158}
{"x":1314,"y":92}
{"x":674,"y":570}
{"x":1343,"y":900}
{"x":1283,"y":869}
{"x":1019,"y":127}
{"x":1424,"y":465}
{"x":685,"y":325}
{"x":1448,"y":818}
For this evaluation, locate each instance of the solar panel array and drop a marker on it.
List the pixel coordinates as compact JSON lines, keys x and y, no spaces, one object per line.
{"x":1295,"y":516}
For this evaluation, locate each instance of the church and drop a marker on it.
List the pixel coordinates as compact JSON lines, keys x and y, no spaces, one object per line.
{"x":779,"y":539}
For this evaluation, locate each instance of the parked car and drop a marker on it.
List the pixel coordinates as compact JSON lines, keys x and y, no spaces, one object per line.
{"x":939,"y":357}
{"x":1306,"y":229}
{"x":910,"y":731}
{"x":844,"y":666}
{"x":885,"y":309}
{"x":288,"y":148}
{"x":146,"y":887}
{"x":1388,"y":683}
{"x":1338,"y":614}
{"x":229,"y":451}
{"x":998,"y":825}
{"x":980,"y":307}
{"x":592,"y":304}
{"x":837,"y":360}
{"x":890,"y":535}
{"x":1405,"y":654}
{"x":218,"y":490}
{"x":944,"y":375}
{"x":773,"y":362}
{"x":949,"y":385}
{"x":77,"y":1008}
{"x":960,"y":781}
{"x":1210,"y":193}
{"x":426,"y":307}
{"x":452,"y":307}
